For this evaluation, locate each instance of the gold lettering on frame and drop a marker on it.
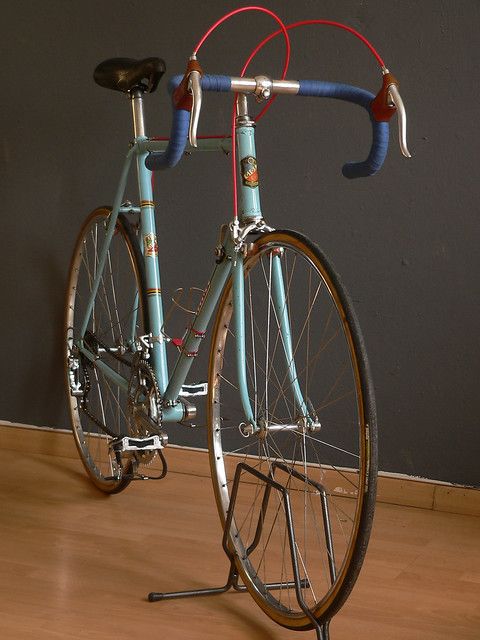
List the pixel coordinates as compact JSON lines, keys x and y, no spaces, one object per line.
{"x":150,"y":245}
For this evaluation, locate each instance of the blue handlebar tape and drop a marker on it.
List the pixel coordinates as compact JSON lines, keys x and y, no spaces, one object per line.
{"x":180,"y":123}
{"x":315,"y":88}
{"x":380,"y":130}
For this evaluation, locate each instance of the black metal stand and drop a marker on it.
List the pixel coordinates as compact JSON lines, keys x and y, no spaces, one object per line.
{"x":321,"y":628}
{"x":232,"y":582}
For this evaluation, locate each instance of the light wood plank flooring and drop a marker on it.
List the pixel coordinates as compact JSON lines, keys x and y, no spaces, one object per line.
{"x":75,"y":564}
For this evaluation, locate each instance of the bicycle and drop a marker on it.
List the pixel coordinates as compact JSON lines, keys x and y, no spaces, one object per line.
{"x":291,"y":412}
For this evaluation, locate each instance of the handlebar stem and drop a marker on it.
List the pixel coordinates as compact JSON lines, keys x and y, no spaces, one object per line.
{"x":242,"y":111}
{"x":258,"y":85}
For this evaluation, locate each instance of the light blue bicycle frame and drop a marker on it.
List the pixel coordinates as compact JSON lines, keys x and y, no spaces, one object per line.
{"x":171,"y":386}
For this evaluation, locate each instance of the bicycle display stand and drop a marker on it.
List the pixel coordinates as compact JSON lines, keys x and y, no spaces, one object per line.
{"x":321,"y":628}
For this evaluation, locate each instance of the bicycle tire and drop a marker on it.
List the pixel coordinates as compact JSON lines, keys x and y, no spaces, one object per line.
{"x":341,"y":456}
{"x":100,"y":413}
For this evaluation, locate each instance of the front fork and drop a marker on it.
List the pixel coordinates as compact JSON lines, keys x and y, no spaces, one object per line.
{"x":250,"y":213}
{"x":277,"y":304}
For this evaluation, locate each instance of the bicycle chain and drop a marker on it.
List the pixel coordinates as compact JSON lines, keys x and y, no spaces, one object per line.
{"x":93,"y":341}
{"x":135,"y":365}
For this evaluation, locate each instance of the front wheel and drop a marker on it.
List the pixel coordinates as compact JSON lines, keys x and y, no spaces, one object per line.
{"x":313,"y":433}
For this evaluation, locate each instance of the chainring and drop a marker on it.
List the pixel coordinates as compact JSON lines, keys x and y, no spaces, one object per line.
{"x":143,"y":398}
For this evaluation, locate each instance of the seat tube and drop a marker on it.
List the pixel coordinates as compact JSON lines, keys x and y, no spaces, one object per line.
{"x":149,"y":248}
{"x":152,"y":272}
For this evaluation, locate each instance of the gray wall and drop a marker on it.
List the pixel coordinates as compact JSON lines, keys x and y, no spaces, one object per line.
{"x":405,"y":241}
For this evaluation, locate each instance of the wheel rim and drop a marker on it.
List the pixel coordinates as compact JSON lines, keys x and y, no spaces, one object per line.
{"x":336,"y":456}
{"x":116,"y":311}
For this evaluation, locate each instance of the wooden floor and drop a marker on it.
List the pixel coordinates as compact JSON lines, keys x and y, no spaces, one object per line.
{"x":75,"y":564}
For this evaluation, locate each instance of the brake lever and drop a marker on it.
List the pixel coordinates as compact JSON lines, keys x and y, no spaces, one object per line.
{"x":188,"y":96}
{"x":388,"y":101}
{"x":195,"y":89}
{"x":396,"y":99}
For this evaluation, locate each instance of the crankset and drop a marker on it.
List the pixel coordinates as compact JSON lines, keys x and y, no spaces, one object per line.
{"x":145,"y":441}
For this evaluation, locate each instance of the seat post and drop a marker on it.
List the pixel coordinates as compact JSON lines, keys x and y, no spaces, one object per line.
{"x":136,"y":96}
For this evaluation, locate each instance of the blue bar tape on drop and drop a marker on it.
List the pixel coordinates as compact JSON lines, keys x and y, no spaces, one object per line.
{"x":181,"y":120}
{"x":380,"y":130}
{"x":176,"y":147}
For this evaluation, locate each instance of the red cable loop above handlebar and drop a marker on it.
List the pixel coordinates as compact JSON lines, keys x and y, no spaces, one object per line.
{"x":229,"y":15}
{"x":283,"y":29}
{"x":304,"y":23}
{"x":284,"y":73}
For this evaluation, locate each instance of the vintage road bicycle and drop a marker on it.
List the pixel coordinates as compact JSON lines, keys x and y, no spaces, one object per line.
{"x":292,"y":434}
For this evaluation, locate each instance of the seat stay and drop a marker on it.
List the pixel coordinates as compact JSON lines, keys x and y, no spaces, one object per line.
{"x":108,"y":238}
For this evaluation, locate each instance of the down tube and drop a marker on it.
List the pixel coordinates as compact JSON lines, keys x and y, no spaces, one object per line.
{"x":197,"y":331}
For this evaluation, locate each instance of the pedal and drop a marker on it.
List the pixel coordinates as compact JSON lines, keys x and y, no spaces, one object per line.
{"x":190,"y":390}
{"x":152,"y":443}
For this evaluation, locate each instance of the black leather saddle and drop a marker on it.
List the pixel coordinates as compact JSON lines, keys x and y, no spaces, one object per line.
{"x":125,"y":74}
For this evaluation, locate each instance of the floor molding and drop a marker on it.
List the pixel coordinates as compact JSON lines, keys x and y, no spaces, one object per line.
{"x":392,"y":488}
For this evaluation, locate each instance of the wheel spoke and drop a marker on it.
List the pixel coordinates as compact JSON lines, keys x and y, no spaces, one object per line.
{"x":101,"y":411}
{"x":300,"y":351}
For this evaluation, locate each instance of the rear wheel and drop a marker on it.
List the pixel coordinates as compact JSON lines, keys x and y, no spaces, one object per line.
{"x":314,"y":432}
{"x":98,"y":405}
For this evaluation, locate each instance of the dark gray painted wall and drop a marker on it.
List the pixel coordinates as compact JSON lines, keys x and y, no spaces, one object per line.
{"x":406,"y":242}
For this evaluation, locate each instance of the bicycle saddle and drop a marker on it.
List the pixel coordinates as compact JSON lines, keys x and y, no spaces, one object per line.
{"x":125,"y":74}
